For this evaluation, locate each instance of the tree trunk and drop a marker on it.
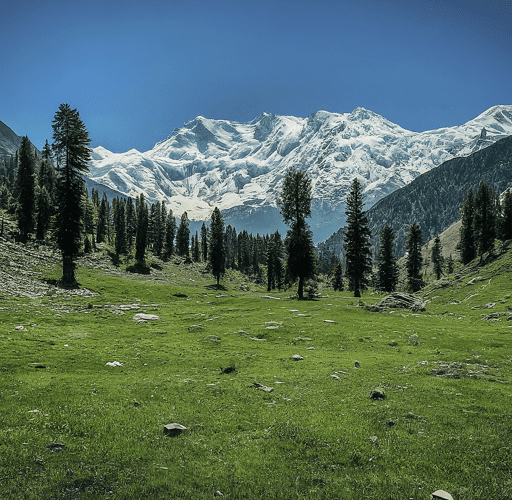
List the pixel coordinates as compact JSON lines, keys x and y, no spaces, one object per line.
{"x":68,"y":270}
{"x":300,"y":291}
{"x":357,"y":293}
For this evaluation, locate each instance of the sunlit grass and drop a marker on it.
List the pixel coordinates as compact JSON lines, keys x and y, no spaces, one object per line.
{"x":444,"y":423}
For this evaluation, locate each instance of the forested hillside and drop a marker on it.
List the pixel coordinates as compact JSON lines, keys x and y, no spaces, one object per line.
{"x":434,"y":198}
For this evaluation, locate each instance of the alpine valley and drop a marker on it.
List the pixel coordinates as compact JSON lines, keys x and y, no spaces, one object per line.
{"x":239,"y":167}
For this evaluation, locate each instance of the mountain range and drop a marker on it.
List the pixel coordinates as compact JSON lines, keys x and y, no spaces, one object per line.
{"x":239,"y":167}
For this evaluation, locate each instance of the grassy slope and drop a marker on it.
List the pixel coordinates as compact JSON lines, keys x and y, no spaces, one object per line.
{"x":445,"y":422}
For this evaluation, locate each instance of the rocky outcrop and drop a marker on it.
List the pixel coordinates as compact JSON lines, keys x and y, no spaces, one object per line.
{"x":398,"y":300}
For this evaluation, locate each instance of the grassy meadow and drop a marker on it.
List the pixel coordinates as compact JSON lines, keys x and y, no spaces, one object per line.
{"x":73,"y":427}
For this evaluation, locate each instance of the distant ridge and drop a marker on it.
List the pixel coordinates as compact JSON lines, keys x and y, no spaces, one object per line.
{"x":434,"y":198}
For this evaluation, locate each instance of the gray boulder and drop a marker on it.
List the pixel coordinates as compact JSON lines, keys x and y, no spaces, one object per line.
{"x":145,"y":317}
{"x":441,"y":495}
{"x":174,"y":429}
{"x":398,"y":300}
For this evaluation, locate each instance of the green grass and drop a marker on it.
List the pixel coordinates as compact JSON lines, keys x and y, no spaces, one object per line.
{"x":445,"y":422}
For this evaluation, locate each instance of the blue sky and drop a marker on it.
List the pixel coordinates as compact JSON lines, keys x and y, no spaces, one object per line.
{"x":135,"y":70}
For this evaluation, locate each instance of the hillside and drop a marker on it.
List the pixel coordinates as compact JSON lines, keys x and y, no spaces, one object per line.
{"x":434,"y":198}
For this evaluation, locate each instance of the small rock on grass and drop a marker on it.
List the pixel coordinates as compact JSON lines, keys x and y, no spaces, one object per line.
{"x":145,"y":317}
{"x":174,"y":429}
{"x":297,"y":357}
{"x":261,"y":387}
{"x":378,"y":393}
{"x":441,"y":494}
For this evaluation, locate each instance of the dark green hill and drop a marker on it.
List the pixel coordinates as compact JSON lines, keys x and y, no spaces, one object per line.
{"x":434,"y":198}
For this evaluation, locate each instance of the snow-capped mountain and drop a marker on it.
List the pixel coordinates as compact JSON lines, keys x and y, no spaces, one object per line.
{"x":239,"y":167}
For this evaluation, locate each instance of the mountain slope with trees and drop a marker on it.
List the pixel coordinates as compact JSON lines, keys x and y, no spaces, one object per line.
{"x":433,"y":200}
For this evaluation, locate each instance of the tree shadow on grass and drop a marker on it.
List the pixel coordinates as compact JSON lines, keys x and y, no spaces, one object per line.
{"x":139,"y":268}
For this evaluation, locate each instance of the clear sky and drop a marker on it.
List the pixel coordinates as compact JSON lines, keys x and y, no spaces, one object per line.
{"x":136,"y":70}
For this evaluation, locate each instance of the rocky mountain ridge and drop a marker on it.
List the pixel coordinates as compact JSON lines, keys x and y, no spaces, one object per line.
{"x":239,"y":167}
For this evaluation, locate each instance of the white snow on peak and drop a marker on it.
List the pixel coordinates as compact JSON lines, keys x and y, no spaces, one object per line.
{"x":240,"y":166}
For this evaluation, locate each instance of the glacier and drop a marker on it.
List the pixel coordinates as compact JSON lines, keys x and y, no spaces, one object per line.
{"x":239,"y":167}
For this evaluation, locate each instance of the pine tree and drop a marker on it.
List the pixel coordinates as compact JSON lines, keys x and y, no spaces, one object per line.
{"x":88,"y":220}
{"x":337,"y":282}
{"x":450,"y":265}
{"x":414,"y":257}
{"x":274,"y":262}
{"x":485,"y":219}
{"x":170,"y":232}
{"x":131,"y":223}
{"x":183,"y":236}
{"x":295,"y":207}
{"x":70,"y":143}
{"x":101,"y":228}
{"x":467,"y":236}
{"x":506,"y":216}
{"x":25,"y":190}
{"x":216,"y":247}
{"x":44,"y":213}
{"x":204,"y":243}
{"x":120,"y":227}
{"x":142,"y":229}
{"x":387,"y":273}
{"x":357,"y":241}
{"x":437,"y":257}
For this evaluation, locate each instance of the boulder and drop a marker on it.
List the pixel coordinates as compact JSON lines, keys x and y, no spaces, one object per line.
{"x":399,"y":300}
{"x":297,"y":357}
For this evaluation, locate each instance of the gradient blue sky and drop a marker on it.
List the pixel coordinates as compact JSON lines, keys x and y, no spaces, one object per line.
{"x":135,"y":70}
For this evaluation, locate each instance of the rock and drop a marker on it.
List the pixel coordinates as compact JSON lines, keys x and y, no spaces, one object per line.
{"x":269,"y":297}
{"x":378,"y":393}
{"x":329,"y":321}
{"x":114,"y":363}
{"x":56,"y":447}
{"x":373,"y":439}
{"x":191,"y":328}
{"x":21,"y":327}
{"x":490,"y":305}
{"x":297,"y":357}
{"x":357,"y":364}
{"x":441,"y":494}
{"x":174,"y":429}
{"x":126,"y":307}
{"x":218,"y":494}
{"x":475,"y":279}
{"x":398,"y":300}
{"x":220,"y":296}
{"x":145,"y":317}
{"x":335,"y":376}
{"x":262,"y":387}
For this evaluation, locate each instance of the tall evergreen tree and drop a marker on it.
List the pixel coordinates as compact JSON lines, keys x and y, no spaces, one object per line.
{"x":467,"y":236}
{"x":506,"y":216}
{"x":25,"y":190}
{"x":216,"y":247}
{"x":387,"y":273}
{"x":414,"y":257}
{"x":337,"y":281}
{"x":183,"y":236}
{"x":44,"y":212}
{"x":485,"y":219}
{"x":88,"y":221}
{"x":131,"y":223}
{"x":357,"y":241}
{"x":196,"y":251}
{"x":101,"y":227}
{"x":204,"y":243}
{"x":437,"y":257}
{"x":120,"y":227}
{"x":170,"y":233}
{"x":142,"y":229}
{"x":295,"y":207}
{"x":71,"y":145}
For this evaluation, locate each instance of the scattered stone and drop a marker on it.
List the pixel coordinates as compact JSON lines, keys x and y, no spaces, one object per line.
{"x":357,"y":364}
{"x":442,"y":495}
{"x":160,"y":333}
{"x":378,"y":393}
{"x":272,"y":327}
{"x":218,"y":494}
{"x":398,"y":300}
{"x":174,"y":429}
{"x":373,"y":439}
{"x":191,"y":328}
{"x":310,"y":348}
{"x":335,"y":376}
{"x":220,"y":296}
{"x":270,"y":297}
{"x":21,"y":327}
{"x":56,"y":447}
{"x":294,"y":310}
{"x":262,"y":387}
{"x":34,"y":411}
{"x":304,"y":315}
{"x":329,"y":321}
{"x":145,"y":317}
{"x":490,"y":305}
{"x":113,"y":363}
{"x":124,"y":307}
{"x":475,"y":279}
{"x":496,"y":316}
{"x":297,"y":357}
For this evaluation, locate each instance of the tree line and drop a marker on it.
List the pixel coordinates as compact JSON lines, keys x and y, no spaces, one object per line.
{"x":48,"y":197}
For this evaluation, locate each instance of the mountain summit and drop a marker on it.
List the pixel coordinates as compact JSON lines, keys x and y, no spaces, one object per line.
{"x":239,"y":167}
